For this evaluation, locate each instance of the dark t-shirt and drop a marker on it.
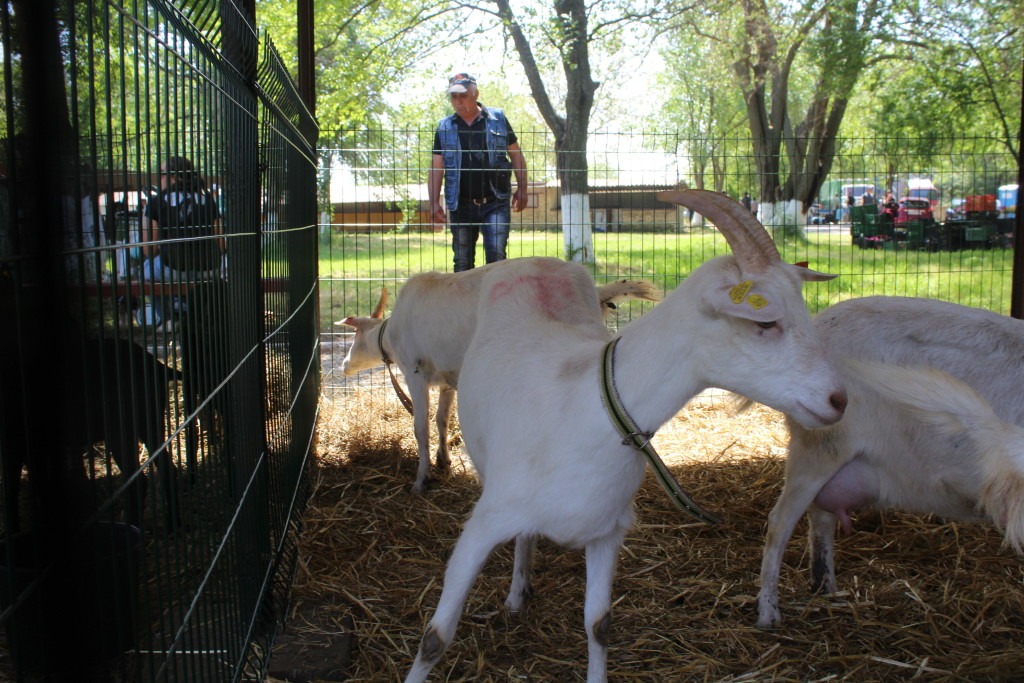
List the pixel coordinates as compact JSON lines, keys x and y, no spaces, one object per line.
{"x":474,"y":182}
{"x":183,"y":214}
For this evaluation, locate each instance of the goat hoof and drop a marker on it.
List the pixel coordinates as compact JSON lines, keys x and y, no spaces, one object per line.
{"x":431,"y":481}
{"x":432,"y":646}
{"x":768,"y":615}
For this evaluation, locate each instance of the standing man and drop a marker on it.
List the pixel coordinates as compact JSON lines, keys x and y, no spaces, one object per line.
{"x":475,"y":153}
{"x":184,"y":223}
{"x":185,"y":216}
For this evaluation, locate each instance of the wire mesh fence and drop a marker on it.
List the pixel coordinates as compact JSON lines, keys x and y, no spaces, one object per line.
{"x":159,"y":367}
{"x":947,"y":234}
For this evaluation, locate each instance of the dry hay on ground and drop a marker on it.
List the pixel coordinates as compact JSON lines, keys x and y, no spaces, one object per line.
{"x":920,"y":599}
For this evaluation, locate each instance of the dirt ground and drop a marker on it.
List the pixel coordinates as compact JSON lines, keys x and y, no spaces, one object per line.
{"x":920,"y":598}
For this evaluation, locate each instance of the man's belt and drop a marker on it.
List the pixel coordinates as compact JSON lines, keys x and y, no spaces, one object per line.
{"x":483,"y":200}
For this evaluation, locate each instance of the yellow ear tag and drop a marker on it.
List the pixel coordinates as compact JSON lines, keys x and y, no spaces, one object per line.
{"x":757,"y":301}
{"x":739,"y":292}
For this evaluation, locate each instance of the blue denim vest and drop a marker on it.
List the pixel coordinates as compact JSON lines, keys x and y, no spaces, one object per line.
{"x":451,"y":151}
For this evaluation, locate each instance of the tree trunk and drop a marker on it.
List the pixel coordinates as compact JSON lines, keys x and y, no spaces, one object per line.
{"x":571,"y":161}
{"x":810,"y":145}
{"x":782,"y":217}
{"x":570,"y":131}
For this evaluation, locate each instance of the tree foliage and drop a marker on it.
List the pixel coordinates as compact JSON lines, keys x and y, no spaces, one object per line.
{"x":974,"y":67}
{"x":910,"y":73}
{"x":703,"y":108}
{"x":362,"y":51}
{"x":792,"y":76}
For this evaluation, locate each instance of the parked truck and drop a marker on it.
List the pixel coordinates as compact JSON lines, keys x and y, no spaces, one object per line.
{"x":978,"y":223}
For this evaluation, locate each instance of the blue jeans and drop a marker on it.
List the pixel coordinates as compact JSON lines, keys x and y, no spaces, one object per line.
{"x":469,"y":220}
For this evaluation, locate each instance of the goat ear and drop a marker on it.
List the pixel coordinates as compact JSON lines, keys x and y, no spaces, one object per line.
{"x":378,"y":312}
{"x":808,"y":275}
{"x":350,"y":321}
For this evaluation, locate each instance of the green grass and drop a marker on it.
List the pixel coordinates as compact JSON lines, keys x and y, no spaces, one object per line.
{"x":353,"y":268}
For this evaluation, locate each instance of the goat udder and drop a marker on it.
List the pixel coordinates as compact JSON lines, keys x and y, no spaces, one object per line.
{"x":849,"y":489}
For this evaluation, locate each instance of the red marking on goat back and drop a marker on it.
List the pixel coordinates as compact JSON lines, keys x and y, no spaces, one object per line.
{"x":504,"y":288}
{"x":551,"y":293}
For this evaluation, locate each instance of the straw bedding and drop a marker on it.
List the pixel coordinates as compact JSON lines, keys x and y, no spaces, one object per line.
{"x":920,"y":599}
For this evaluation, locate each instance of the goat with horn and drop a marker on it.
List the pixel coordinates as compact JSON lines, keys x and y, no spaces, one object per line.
{"x":549,"y":457}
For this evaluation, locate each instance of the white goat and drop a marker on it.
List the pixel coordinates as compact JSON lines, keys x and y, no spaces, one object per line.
{"x":427,"y":336}
{"x":886,"y":453}
{"x":549,"y":458}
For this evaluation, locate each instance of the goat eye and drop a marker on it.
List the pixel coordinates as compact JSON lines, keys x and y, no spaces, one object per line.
{"x":768,"y":325}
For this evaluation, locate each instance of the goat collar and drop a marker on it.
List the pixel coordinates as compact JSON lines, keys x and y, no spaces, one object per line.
{"x":641,"y":441}
{"x":402,"y":396}
{"x":380,"y":343}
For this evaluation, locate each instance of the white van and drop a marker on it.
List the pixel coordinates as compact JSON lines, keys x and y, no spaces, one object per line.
{"x":923,"y":188}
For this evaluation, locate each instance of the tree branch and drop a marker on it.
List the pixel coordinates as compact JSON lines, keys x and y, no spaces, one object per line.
{"x":537,"y":88}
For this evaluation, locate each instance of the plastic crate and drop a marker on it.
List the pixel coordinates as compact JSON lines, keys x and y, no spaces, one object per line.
{"x":978,"y":233}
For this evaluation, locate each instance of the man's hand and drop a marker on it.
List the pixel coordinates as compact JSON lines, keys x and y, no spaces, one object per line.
{"x":437,"y":214}
{"x":519,"y":199}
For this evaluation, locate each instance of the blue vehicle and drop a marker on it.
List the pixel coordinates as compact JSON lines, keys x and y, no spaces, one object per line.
{"x":1007,"y":196}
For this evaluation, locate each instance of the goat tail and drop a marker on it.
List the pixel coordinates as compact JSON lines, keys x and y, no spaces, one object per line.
{"x":953,"y":408}
{"x":621,"y":290}
{"x":1002,"y":498}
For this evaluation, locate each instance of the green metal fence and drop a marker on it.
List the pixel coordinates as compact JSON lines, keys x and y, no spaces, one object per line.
{"x":377,"y":232}
{"x":169,"y":562}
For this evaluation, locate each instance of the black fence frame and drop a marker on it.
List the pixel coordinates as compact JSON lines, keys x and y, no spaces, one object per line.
{"x":177,"y":567}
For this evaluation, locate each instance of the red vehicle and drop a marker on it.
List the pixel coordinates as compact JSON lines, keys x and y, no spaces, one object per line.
{"x":912,"y":209}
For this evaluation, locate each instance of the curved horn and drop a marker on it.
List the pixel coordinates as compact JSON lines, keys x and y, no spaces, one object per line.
{"x":379,"y":311}
{"x":750,"y":242}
